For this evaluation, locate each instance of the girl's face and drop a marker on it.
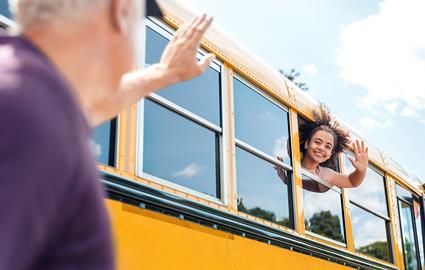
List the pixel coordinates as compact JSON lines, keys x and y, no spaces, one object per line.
{"x":319,"y":147}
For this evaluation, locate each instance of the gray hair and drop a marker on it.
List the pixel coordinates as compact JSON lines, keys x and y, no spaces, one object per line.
{"x":28,"y":13}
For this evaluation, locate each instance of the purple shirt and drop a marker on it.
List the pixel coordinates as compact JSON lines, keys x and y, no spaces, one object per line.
{"x":52,"y":214}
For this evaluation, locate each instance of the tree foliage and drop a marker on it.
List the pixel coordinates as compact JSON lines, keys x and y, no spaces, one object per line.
{"x":292,"y":75}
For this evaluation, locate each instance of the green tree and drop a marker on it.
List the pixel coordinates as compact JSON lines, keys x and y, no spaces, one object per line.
{"x":292,"y":75}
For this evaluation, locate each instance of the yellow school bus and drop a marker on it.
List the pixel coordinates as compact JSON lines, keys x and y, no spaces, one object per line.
{"x":191,"y":174}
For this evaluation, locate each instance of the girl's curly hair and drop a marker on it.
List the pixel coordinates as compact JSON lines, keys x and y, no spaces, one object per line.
{"x":323,"y":121}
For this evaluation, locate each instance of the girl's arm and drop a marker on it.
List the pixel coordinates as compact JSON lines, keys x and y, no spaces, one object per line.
{"x":360,"y":163}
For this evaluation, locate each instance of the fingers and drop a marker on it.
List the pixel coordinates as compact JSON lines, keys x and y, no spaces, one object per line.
{"x":354,"y":146}
{"x":351,"y":160}
{"x":358,"y":146}
{"x":206,"y":61}
{"x":184,"y":28}
{"x":198,"y":32}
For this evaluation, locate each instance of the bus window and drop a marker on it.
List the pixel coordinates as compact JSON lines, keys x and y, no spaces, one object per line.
{"x":181,"y":137}
{"x":261,"y":192}
{"x":324,"y":219}
{"x":323,"y":209}
{"x":411,"y":228}
{"x":103,"y":143}
{"x":370,"y":233}
{"x":179,"y":150}
{"x":200,"y":95}
{"x":369,"y":214}
{"x":4,"y":9}
{"x":408,"y":237}
{"x":371,"y":192}
{"x":262,"y":155}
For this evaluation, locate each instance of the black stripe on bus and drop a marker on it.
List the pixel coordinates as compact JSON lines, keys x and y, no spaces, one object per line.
{"x":139,"y":195}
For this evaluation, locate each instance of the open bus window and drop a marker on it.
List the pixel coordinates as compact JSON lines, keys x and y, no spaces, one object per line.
{"x":369,"y":214}
{"x":103,"y":143}
{"x":411,"y":224}
{"x":4,"y":9}
{"x":180,"y":136}
{"x":326,"y":218}
{"x":262,"y":155}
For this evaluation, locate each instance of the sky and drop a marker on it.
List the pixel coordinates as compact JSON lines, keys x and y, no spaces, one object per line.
{"x":364,"y":59}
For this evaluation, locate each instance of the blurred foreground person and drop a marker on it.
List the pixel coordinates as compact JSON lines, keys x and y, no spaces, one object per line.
{"x":66,"y":72}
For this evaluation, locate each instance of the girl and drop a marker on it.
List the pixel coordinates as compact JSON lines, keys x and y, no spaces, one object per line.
{"x":320,"y":144}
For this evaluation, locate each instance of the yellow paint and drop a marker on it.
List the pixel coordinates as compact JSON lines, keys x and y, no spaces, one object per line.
{"x":346,"y":209}
{"x":297,"y":178}
{"x":231,"y":148}
{"x":395,"y":224}
{"x":148,"y":240}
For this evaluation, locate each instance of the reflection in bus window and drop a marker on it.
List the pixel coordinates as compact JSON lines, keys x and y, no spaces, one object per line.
{"x":371,"y":193}
{"x":408,"y":237}
{"x":103,"y":143}
{"x":260,"y":123}
{"x":370,"y":233}
{"x":323,"y":210}
{"x":200,"y":95}
{"x":261,"y":192}
{"x":171,"y":152}
{"x":4,"y":9}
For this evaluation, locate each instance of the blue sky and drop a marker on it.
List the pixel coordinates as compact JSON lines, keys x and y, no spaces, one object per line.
{"x":364,"y":59}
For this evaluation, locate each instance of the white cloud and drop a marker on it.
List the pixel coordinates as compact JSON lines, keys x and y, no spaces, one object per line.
{"x":391,"y":107}
{"x":281,"y":148}
{"x":369,"y":124}
{"x":189,"y":171}
{"x":310,"y":69}
{"x":409,"y":112}
{"x":267,"y":116}
{"x":385,"y":53}
{"x":95,"y":148}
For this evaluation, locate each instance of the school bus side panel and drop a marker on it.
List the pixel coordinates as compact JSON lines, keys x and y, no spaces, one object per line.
{"x":149,"y":240}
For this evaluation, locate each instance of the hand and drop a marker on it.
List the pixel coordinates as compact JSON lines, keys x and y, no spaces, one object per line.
{"x":178,"y":61}
{"x":361,"y":156}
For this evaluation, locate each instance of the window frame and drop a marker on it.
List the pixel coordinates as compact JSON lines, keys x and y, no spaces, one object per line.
{"x":6,"y":23}
{"x":264,"y":156}
{"x":167,"y":32}
{"x":415,"y":229}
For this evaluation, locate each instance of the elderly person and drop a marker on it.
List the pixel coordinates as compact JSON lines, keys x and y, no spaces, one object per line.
{"x":67,"y":71}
